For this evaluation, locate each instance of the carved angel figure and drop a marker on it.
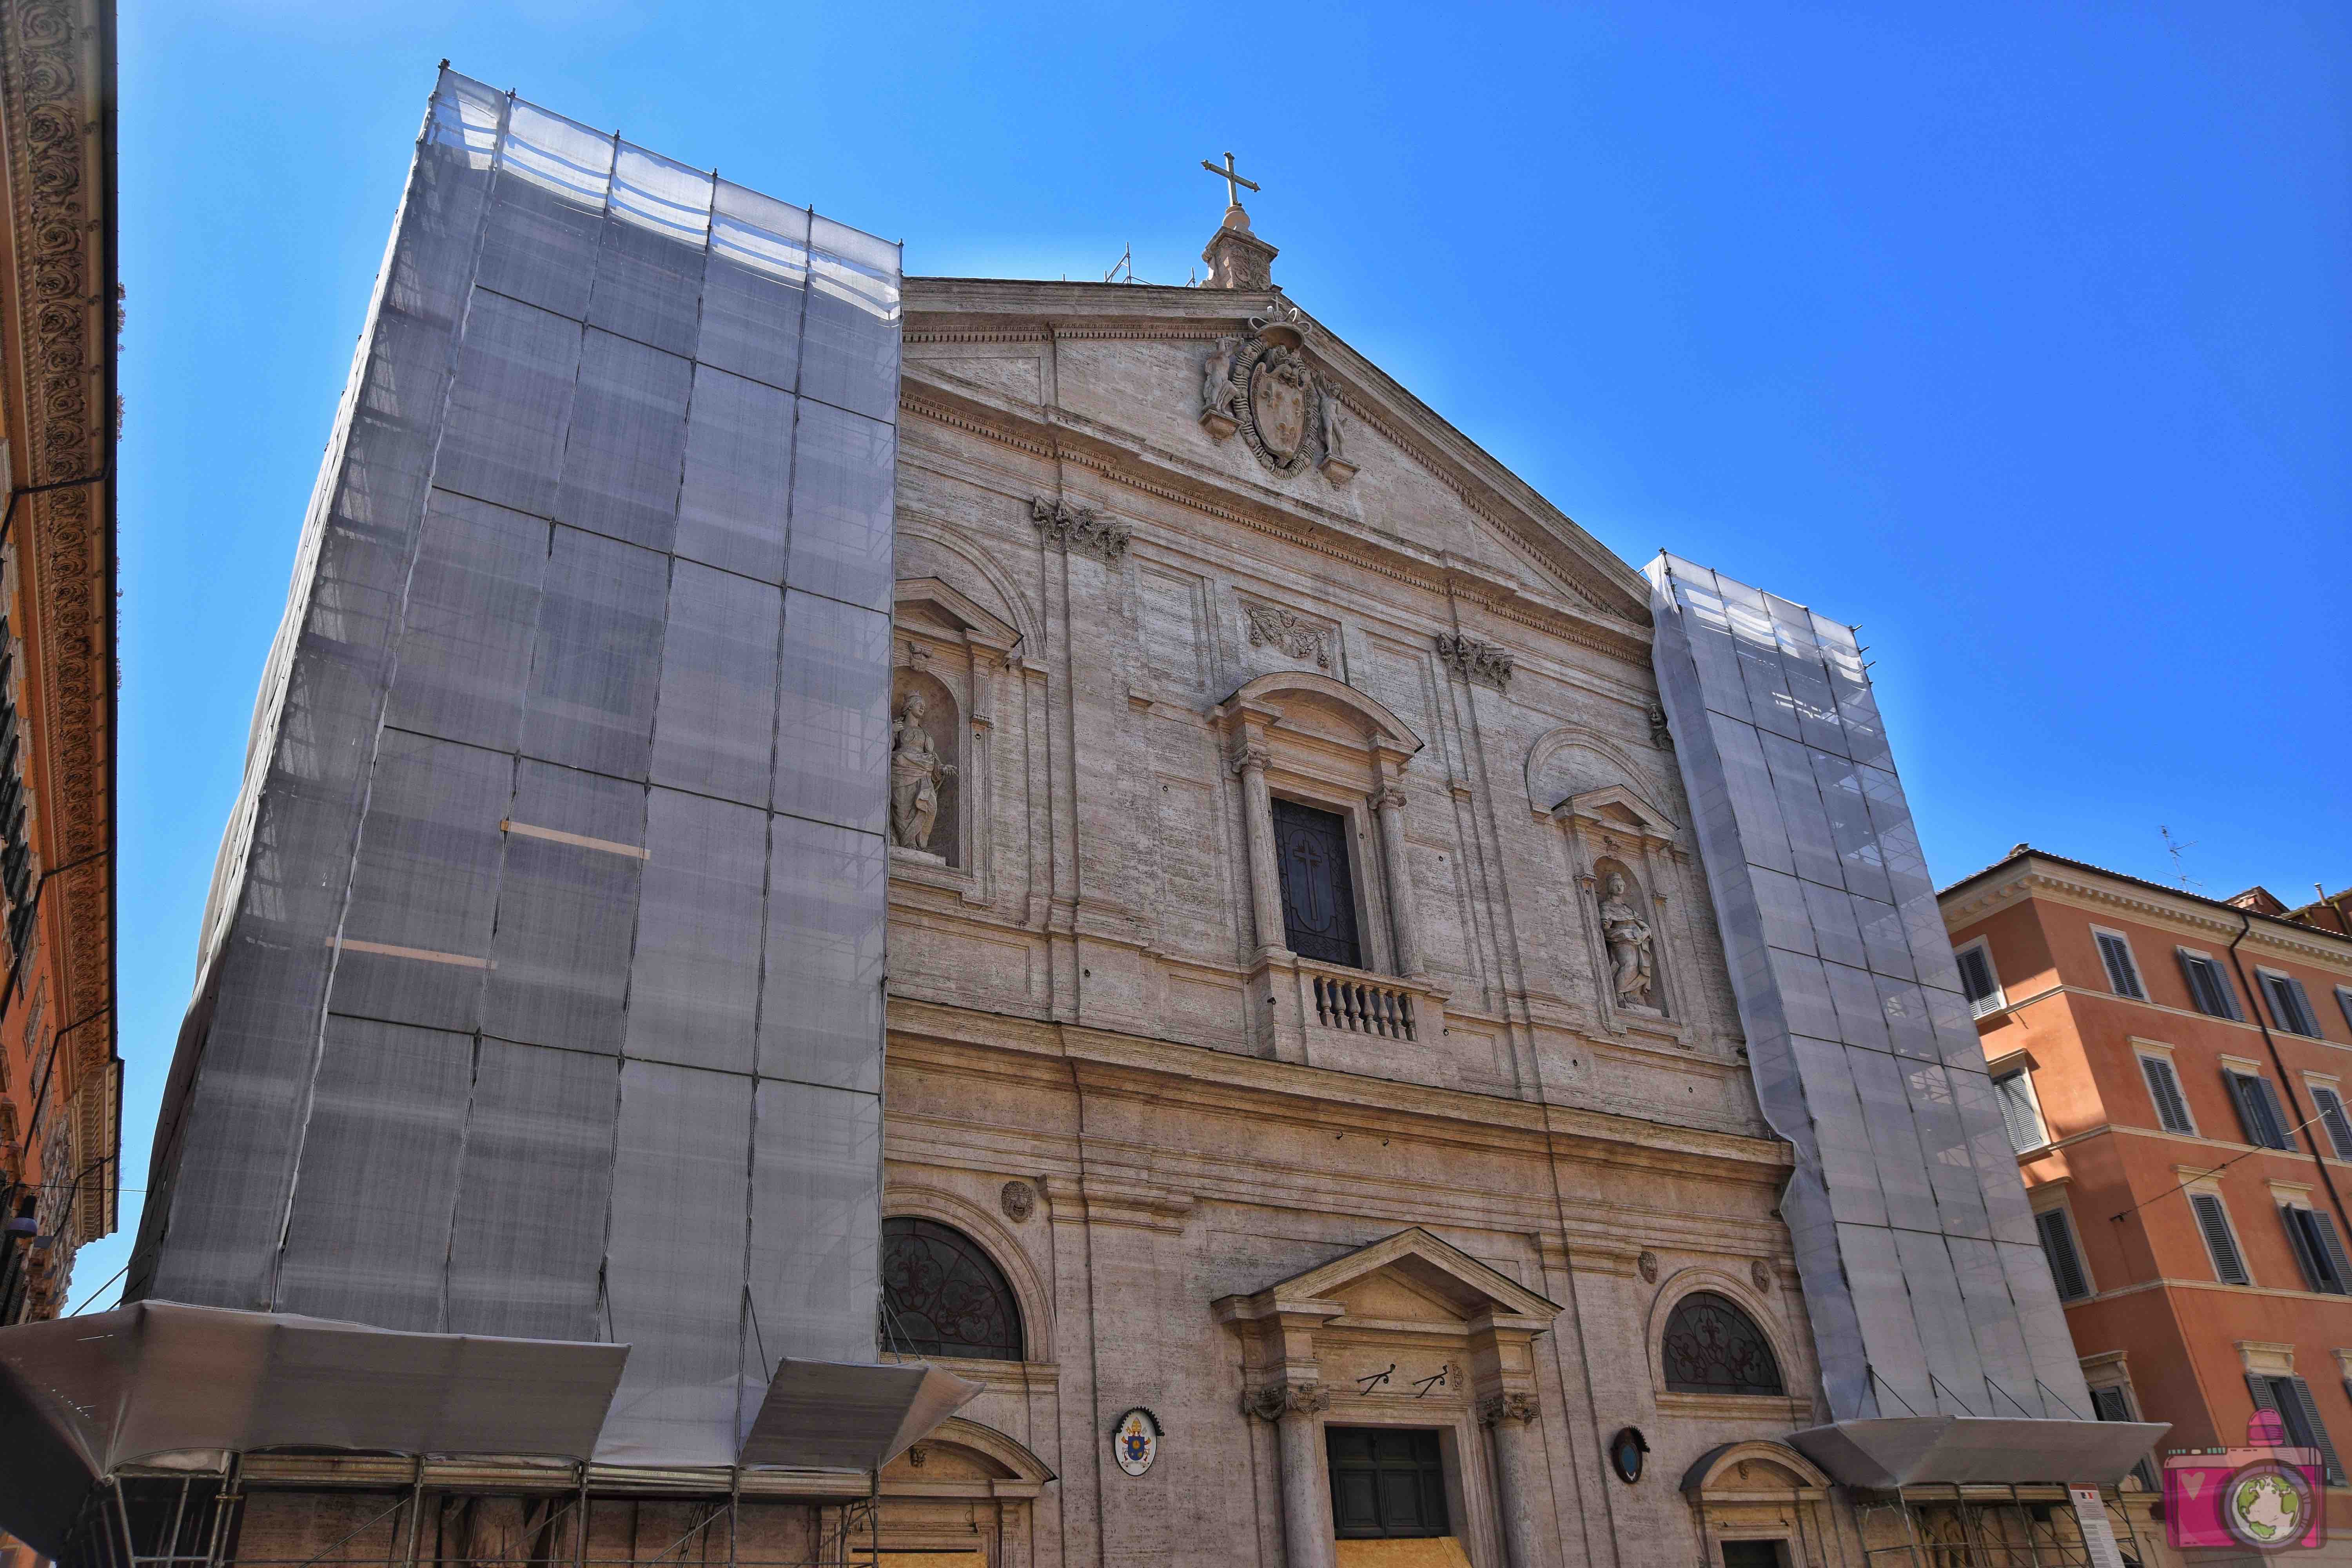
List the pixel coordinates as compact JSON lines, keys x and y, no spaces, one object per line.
{"x":1328,"y":396}
{"x":1217,"y":390}
{"x":917,"y":770}
{"x":1628,"y":935}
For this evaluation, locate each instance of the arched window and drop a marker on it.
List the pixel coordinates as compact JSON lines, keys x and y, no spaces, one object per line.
{"x":1712,"y":1347}
{"x":942,"y":1296}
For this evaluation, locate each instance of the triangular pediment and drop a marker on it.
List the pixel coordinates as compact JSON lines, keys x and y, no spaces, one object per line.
{"x":1414,"y":1277}
{"x":931,"y":605}
{"x":1119,"y":372}
{"x":1618,"y":807}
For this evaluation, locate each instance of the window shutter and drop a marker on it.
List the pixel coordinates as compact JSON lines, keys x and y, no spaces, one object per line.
{"x":2058,"y":1247}
{"x":2228,"y":1266}
{"x":2260,"y":1388}
{"x":2315,"y":1276}
{"x":2266,"y":1094}
{"x":1975,"y":975}
{"x":2208,"y":987}
{"x":2314,"y":1428}
{"x":2018,"y":1112}
{"x":2123,"y":979}
{"x":2290,"y":1008}
{"x":2344,"y":1001}
{"x":2331,"y":1116}
{"x":2323,"y":1230}
{"x":2164,"y":1089}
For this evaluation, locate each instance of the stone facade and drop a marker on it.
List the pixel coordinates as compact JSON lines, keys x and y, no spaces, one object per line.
{"x":1167,"y":556}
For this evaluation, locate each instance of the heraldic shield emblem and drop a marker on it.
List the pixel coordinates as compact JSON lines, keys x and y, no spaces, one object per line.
{"x":1279,"y":385}
{"x":1134,"y":1440}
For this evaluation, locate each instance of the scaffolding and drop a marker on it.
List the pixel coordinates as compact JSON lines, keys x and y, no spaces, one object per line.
{"x":2004,"y":1526}
{"x":197,"y":1519}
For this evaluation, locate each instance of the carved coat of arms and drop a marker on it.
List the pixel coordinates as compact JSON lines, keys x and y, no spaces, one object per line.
{"x":1263,"y":388}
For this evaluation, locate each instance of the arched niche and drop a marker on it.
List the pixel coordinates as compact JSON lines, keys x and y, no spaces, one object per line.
{"x":964,"y":658}
{"x":920,"y":700}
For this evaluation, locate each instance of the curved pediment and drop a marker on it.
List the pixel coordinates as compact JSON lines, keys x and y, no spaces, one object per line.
{"x":1317,"y":703}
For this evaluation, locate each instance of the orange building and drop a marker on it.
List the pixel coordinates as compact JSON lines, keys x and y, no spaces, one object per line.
{"x":2174,"y":1070}
{"x":60,"y":1074}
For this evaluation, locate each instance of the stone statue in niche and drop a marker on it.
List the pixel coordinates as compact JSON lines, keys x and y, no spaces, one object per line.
{"x":1629,"y":938}
{"x":917,"y":772}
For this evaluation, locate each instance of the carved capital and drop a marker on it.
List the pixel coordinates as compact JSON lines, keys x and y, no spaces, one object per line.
{"x":1276,"y":1400}
{"x":1489,"y":664}
{"x":1079,"y":528}
{"x":1388,"y":799}
{"x":1497,"y":1408}
{"x":1245,"y":758}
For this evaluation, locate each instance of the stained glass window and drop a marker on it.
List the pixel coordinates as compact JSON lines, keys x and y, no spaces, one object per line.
{"x":1712,"y":1347}
{"x":942,"y":1296}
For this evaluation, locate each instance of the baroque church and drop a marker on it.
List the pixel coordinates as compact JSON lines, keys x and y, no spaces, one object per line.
{"x":1315,"y":1108}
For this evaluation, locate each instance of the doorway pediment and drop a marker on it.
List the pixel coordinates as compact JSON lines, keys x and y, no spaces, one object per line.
{"x":1411,"y":1276}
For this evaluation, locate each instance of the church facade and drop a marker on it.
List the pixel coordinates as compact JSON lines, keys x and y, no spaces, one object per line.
{"x":1316,"y":1106}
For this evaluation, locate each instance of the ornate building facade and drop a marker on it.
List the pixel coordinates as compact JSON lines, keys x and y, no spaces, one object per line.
{"x":1317,"y":1108}
{"x":60,"y":1075}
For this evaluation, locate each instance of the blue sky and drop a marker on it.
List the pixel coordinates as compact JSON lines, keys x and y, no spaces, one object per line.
{"x":2015,"y":332}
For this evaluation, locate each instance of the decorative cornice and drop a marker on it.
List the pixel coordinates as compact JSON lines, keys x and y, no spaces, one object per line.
{"x":2036,"y":878}
{"x":1489,"y":664}
{"x":1079,"y":528}
{"x":61,"y":327}
{"x":1445,"y":578}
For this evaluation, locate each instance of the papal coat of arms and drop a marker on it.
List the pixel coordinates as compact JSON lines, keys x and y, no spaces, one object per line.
{"x":1134,"y":1440}
{"x":1263,"y":388}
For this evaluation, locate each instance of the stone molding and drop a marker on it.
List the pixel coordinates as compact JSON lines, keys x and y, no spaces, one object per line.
{"x":1079,"y":528}
{"x":1488,"y":664}
{"x":54,"y":106}
{"x":1294,"y":635}
{"x":1497,"y":1408}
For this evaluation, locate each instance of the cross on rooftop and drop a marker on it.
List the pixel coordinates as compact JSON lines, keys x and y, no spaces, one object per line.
{"x":1233,"y":181}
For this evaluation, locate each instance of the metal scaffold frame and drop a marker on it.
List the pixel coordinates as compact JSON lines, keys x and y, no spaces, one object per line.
{"x":193,"y":1519}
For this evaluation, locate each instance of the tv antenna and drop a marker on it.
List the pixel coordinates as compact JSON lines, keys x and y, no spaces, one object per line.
{"x":2173,"y":847}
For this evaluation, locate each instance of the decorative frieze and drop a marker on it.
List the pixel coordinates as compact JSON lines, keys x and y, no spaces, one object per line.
{"x":1489,"y":664}
{"x":1290,"y":632}
{"x":1079,"y":528}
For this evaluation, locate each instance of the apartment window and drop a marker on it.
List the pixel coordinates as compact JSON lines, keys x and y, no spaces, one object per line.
{"x":1978,"y":984}
{"x":2209,"y":985}
{"x":2291,"y":1397}
{"x":2066,"y":1270}
{"x":2123,"y":974}
{"x":2290,"y":1008}
{"x":2330,"y":1105}
{"x":2164,"y":1089}
{"x":2019,"y":1111}
{"x":2221,"y":1242}
{"x":2258,"y":1110}
{"x":2344,"y":1002}
{"x":2112,"y":1402}
{"x":2312,"y":1236}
